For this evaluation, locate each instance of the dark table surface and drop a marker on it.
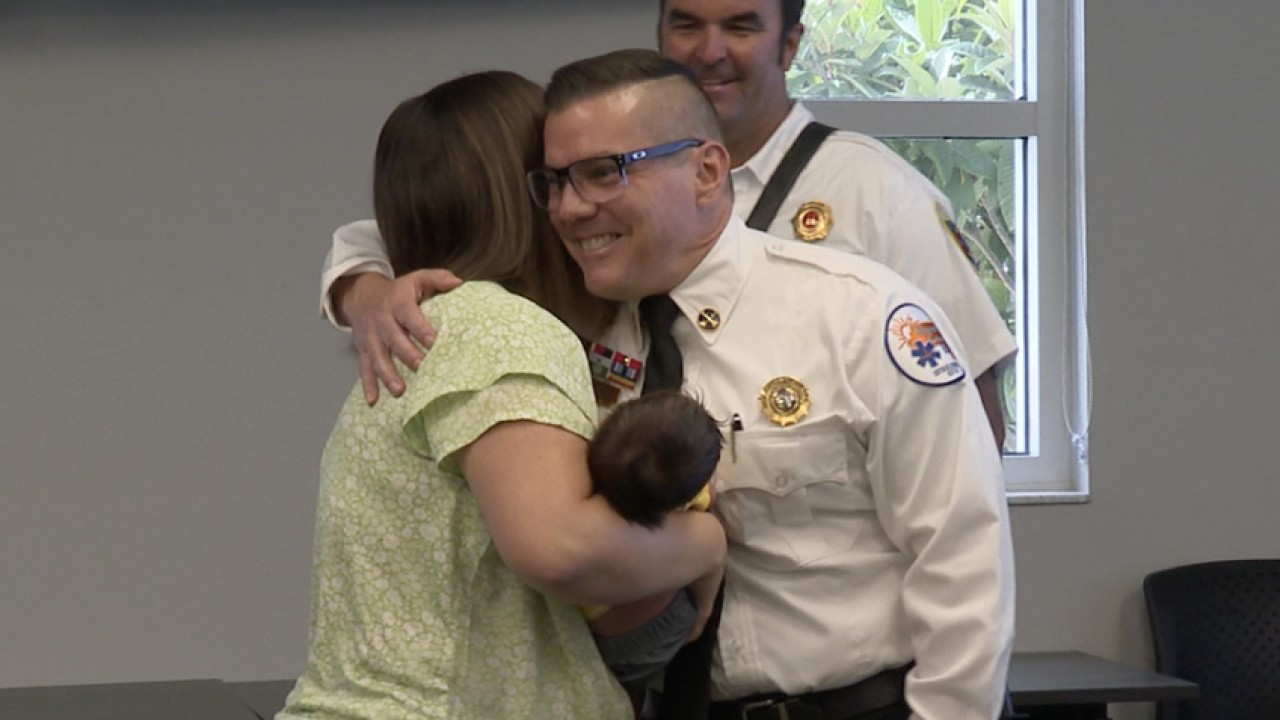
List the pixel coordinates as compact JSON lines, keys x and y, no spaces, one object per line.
{"x":166,"y":700}
{"x":1036,"y":679}
{"x":1076,"y":678}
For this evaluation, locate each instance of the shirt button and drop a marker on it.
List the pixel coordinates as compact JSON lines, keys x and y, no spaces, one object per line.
{"x":780,"y":481}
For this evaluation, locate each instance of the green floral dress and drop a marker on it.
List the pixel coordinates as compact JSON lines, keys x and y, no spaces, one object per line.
{"x":413,"y":613}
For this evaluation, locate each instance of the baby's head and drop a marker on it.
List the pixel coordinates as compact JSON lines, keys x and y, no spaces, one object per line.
{"x":653,"y":455}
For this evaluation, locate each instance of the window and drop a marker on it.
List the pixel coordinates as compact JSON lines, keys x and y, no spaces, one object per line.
{"x":984,"y":98}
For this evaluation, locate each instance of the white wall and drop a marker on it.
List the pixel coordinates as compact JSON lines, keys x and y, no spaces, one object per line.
{"x":1183,"y":181}
{"x":171,"y":173}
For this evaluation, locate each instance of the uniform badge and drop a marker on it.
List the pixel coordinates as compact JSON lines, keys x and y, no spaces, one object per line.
{"x":785,"y":400}
{"x":812,"y":221}
{"x":918,"y":349}
{"x":612,"y":367}
{"x":709,"y":319}
{"x":957,"y":237}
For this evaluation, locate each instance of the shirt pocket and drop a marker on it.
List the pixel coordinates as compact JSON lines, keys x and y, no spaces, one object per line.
{"x":789,"y":498}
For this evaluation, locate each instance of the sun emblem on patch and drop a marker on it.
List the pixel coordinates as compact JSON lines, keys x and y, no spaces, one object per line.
{"x":918,"y":349}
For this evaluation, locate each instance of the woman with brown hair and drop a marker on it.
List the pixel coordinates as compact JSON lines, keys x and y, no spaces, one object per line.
{"x":457,"y":529}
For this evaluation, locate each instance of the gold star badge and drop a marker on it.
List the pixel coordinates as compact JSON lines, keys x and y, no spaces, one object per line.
{"x":812,"y":221}
{"x":785,"y":400}
{"x":709,"y":319}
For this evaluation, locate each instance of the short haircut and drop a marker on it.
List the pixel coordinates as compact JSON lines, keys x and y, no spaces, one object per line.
{"x":792,"y":10}
{"x":591,"y":77}
{"x":448,"y":192}
{"x":653,"y":455}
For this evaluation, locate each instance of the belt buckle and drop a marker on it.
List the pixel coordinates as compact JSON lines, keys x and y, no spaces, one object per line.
{"x":781,"y":710}
{"x":748,"y":711}
{"x":788,"y":708}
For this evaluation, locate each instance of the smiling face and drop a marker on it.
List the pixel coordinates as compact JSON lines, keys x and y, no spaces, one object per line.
{"x":648,"y":239}
{"x":740,"y":54}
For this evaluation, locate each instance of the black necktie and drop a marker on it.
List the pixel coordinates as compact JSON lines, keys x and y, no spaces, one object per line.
{"x":687,"y":679}
{"x":664,"y":369}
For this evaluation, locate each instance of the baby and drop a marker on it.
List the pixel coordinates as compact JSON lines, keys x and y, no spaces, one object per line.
{"x":652,"y":456}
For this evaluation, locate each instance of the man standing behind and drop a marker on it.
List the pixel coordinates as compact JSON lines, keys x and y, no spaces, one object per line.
{"x":870,"y":569}
{"x":853,"y":195}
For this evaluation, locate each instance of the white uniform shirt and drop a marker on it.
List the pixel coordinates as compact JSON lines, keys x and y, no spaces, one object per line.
{"x":884,"y":209}
{"x":872,"y":532}
{"x":357,"y":248}
{"x":881,"y":207}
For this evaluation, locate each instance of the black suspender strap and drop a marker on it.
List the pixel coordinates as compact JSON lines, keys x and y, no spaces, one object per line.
{"x":785,"y":176}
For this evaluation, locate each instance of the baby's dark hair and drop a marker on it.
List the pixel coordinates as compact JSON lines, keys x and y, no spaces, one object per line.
{"x":653,"y":454}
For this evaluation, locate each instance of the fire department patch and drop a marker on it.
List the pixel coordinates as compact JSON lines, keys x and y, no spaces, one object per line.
{"x":957,"y":236}
{"x":918,"y":349}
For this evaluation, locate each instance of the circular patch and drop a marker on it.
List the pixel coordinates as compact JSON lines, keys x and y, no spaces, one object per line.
{"x":918,"y":349}
{"x":784,"y":400}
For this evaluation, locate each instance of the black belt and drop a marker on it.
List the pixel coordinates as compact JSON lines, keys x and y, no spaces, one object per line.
{"x":874,"y":693}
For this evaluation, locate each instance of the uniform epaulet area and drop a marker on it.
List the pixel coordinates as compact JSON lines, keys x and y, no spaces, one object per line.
{"x":831,"y":262}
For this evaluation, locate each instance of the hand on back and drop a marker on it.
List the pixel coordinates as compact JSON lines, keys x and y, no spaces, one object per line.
{"x":386,"y":321}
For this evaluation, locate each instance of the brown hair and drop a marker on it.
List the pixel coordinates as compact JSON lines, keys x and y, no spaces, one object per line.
{"x":791,"y":12}
{"x":653,"y":455}
{"x":448,"y":192}
{"x":595,"y":76}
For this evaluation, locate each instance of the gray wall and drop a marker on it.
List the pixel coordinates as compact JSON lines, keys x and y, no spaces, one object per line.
{"x":171,"y":174}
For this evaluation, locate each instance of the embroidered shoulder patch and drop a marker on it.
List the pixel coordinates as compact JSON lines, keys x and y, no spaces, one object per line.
{"x":918,"y":349}
{"x":957,"y":236}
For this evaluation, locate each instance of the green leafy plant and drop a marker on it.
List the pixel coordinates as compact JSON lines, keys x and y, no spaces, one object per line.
{"x":949,"y":50}
{"x":919,"y":49}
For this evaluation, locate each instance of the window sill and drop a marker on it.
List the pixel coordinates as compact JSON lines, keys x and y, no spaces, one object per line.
{"x":1056,"y":497}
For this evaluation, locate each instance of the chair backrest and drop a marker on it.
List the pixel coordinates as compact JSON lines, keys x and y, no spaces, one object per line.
{"x":1217,"y":624}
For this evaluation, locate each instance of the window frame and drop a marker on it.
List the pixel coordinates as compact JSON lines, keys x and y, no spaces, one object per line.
{"x":1052,"y":261}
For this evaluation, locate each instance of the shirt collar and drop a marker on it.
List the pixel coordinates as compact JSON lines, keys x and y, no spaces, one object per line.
{"x":716,"y":283}
{"x":766,"y":160}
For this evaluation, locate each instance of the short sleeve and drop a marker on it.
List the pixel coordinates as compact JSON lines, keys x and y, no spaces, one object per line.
{"x":497,"y":358}
{"x":921,"y":227}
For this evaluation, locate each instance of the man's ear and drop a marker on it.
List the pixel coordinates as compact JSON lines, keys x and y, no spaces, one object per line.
{"x":791,"y":44}
{"x":712,"y":171}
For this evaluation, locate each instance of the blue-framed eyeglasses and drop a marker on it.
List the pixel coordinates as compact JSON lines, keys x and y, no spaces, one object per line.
{"x":596,"y":179}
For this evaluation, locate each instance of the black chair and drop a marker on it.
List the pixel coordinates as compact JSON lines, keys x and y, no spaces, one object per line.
{"x":1217,"y":624}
